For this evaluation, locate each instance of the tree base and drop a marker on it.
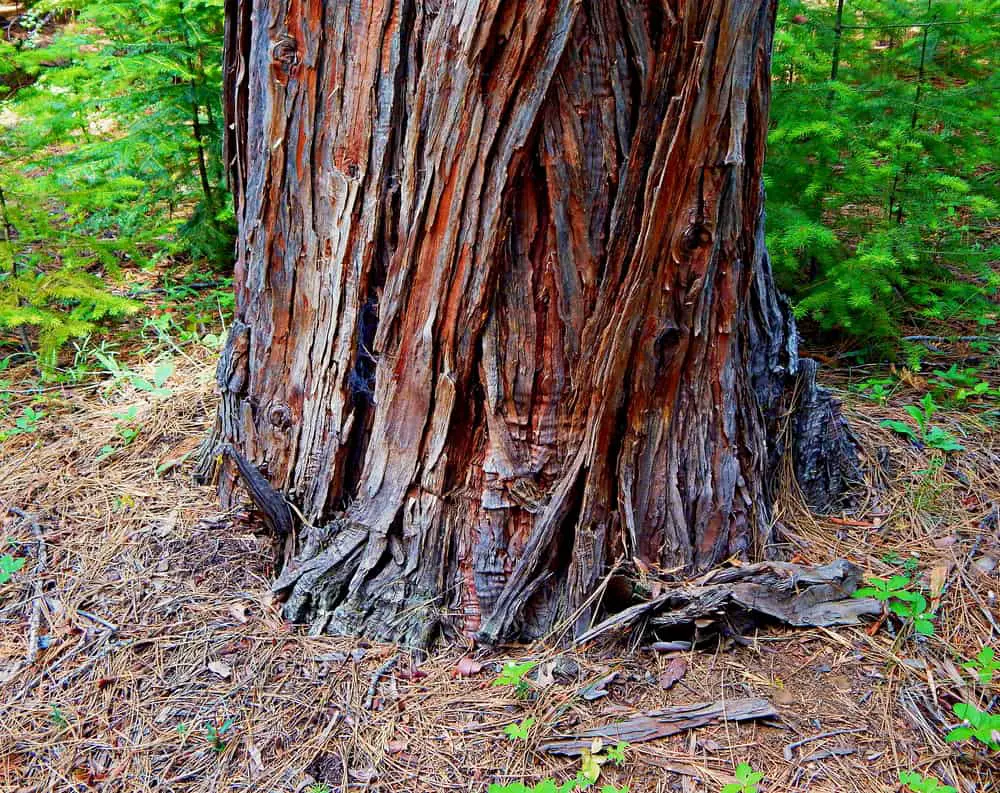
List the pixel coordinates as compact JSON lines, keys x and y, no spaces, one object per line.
{"x":504,"y":310}
{"x":825,"y":453}
{"x":320,"y":584}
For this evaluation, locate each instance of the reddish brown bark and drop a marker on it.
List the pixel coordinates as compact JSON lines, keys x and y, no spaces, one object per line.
{"x":504,"y":309}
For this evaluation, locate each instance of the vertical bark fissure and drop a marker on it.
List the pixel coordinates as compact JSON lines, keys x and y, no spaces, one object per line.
{"x":504,"y":310}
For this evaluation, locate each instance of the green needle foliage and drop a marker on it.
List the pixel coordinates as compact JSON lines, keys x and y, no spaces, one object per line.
{"x":881,"y":175}
{"x":110,"y":141}
{"x":881,"y":161}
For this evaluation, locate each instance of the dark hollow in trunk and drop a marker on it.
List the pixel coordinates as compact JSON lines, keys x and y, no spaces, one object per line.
{"x":504,"y":309}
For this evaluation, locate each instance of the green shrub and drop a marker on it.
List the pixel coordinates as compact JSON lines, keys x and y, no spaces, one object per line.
{"x":880,"y":172}
{"x":110,"y":156}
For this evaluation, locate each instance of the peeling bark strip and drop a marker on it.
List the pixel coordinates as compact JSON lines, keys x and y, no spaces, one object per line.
{"x":663,"y":723}
{"x":789,"y":593}
{"x":504,"y":308}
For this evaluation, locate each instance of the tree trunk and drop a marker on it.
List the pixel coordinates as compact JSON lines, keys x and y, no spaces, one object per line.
{"x":504,"y":310}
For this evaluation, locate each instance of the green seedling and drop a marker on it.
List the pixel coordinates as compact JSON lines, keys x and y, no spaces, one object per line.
{"x":746,"y":780}
{"x":551,"y":786}
{"x":591,"y":761}
{"x":616,"y":753}
{"x":58,"y":718}
{"x":978,"y":724}
{"x":157,"y":388}
{"x":215,"y":735}
{"x":596,"y":756}
{"x":123,"y":375}
{"x":8,"y":566}
{"x":25,"y":424}
{"x":961,"y":385}
{"x":912,"y":607}
{"x":514,"y":674}
{"x":124,"y":430}
{"x":984,"y":666}
{"x":908,"y":564}
{"x":925,"y":432}
{"x":923,"y":784}
{"x":879,"y":389}
{"x":519,"y":732}
{"x":894,"y":592}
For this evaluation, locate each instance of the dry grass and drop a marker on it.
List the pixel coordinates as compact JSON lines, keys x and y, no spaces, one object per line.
{"x":153,"y":614}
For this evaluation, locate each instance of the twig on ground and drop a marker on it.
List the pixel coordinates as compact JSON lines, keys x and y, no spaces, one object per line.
{"x":381,"y":672}
{"x":789,"y":750}
{"x":100,"y":620}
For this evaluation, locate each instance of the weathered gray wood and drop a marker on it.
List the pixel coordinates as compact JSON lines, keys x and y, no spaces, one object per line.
{"x":663,"y":723}
{"x":824,"y":451}
{"x":789,"y":593}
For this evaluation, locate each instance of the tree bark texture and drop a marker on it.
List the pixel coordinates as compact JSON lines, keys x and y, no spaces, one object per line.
{"x":504,"y":309}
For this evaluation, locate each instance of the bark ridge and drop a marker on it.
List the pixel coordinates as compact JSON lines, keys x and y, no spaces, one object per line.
{"x":504,"y":310}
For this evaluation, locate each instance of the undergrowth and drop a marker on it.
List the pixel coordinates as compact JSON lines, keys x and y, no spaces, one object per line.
{"x":882,"y":188}
{"x":110,"y":162}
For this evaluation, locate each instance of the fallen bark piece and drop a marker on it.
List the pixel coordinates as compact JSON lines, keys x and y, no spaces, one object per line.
{"x":662,"y":723}
{"x":799,"y":595}
{"x":675,"y":670}
{"x":597,"y":689}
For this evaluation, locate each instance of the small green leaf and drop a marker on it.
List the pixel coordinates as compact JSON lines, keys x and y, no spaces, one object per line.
{"x":900,"y":427}
{"x":519,"y":732}
{"x":959,"y":734}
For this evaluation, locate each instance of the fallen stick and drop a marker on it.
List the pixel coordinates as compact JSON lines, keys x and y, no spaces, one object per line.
{"x":662,"y":723}
{"x":789,"y":750}
{"x":381,"y":672}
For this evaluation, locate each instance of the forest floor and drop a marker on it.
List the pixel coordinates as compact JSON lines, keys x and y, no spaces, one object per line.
{"x":165,"y":665}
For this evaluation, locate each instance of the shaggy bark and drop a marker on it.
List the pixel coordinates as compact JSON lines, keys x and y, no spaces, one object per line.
{"x":504,"y":309}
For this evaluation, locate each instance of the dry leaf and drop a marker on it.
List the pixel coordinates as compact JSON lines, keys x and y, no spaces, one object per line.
{"x":675,"y":670}
{"x":256,"y":763}
{"x":178,"y":454}
{"x":395,"y":747}
{"x":467,"y":667}
{"x":939,"y":575}
{"x":410,"y":673}
{"x":221,"y":669}
{"x":240,"y":612}
{"x":546,"y":674}
{"x":362,"y":774}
